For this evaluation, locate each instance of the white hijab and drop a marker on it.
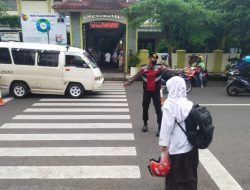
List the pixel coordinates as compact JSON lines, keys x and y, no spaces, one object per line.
{"x":177,"y":103}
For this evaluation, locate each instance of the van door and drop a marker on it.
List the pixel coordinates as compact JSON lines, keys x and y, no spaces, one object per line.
{"x":49,"y":73}
{"x":77,"y":70}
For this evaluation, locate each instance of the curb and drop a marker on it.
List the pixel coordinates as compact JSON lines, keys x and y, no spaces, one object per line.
{"x":217,"y":77}
{"x":211,"y":77}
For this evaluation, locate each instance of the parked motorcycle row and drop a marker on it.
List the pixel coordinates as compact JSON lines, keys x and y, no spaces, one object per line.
{"x":237,"y":72}
{"x":238,"y":82}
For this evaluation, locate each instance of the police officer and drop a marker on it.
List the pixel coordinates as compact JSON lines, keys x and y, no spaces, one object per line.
{"x":151,"y":75}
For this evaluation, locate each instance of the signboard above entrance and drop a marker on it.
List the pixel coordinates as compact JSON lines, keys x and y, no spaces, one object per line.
{"x":104,"y":25}
{"x":104,"y":17}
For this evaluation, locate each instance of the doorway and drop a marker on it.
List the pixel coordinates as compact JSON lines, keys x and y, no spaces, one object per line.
{"x":105,"y":40}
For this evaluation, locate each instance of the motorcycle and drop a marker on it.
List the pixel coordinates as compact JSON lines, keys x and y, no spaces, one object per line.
{"x":192,"y":74}
{"x":173,"y":72}
{"x":231,"y":75}
{"x":237,"y":84}
{"x":232,"y":65}
{"x":166,"y":75}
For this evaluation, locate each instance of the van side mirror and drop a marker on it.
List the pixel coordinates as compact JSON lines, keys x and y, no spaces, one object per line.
{"x":81,"y":64}
{"x":85,"y":65}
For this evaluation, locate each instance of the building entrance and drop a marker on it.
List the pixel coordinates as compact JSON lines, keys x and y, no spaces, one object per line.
{"x":105,"y":41}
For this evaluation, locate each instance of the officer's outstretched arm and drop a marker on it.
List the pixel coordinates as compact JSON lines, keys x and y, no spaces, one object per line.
{"x":132,"y":79}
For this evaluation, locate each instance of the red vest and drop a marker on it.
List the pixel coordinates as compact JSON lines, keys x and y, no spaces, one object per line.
{"x":151,"y":77}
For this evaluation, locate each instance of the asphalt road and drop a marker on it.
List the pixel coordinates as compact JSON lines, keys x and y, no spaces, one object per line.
{"x":231,"y":136}
{"x":230,"y":145}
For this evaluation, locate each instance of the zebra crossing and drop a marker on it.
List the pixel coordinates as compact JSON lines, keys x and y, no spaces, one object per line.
{"x":55,"y":121}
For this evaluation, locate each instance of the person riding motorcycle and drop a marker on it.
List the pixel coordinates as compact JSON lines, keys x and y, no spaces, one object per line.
{"x":244,"y":67}
{"x":200,"y":63}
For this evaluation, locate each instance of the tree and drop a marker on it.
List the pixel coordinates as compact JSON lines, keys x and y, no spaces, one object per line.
{"x":3,"y":8}
{"x":184,"y":23}
{"x":232,"y":29}
{"x":12,"y":21}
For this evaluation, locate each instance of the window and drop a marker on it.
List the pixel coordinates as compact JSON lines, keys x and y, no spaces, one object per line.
{"x":90,"y":59}
{"x":23,"y":56}
{"x":48,"y":58}
{"x":5,"y":56}
{"x":57,"y":1}
{"x":75,"y":61}
{"x":11,"y":4}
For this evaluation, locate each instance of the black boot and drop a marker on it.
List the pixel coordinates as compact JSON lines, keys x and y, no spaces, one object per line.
{"x":158,"y":131}
{"x":145,"y":127}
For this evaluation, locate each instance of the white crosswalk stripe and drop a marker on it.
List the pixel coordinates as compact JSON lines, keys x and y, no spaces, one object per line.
{"x":111,"y":92}
{"x":69,"y":110}
{"x":72,"y":117}
{"x":67,"y":126}
{"x":108,"y":96}
{"x":106,"y":104}
{"x":69,"y":151}
{"x":67,"y":137}
{"x":84,"y":100}
{"x":82,"y":104}
{"x":68,"y":172}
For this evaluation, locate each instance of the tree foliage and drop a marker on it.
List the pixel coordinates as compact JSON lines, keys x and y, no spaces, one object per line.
{"x":3,"y":8}
{"x":196,"y":24}
{"x":184,"y":23}
{"x":12,"y":21}
{"x":234,"y":27}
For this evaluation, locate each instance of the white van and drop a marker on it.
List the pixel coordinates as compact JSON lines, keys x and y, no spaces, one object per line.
{"x":47,"y":69}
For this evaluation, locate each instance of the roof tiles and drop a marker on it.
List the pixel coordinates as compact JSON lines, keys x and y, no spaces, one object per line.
{"x":91,"y":5}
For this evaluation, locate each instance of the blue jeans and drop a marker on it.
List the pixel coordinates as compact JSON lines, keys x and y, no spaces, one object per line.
{"x":201,"y":79}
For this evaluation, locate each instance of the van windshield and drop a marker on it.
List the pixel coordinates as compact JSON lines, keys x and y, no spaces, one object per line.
{"x":90,"y":59}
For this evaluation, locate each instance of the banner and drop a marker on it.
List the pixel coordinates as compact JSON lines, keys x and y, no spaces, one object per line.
{"x":44,"y":28}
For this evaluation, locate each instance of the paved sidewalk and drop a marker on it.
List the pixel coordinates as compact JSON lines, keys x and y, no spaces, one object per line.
{"x":114,"y":76}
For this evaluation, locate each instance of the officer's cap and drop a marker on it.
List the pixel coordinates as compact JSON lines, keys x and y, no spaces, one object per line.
{"x":153,"y":54}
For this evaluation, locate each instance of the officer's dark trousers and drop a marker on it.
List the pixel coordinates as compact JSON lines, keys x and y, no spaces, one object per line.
{"x":147,"y":95}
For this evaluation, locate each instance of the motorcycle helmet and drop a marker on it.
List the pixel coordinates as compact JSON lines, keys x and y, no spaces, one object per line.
{"x":201,"y":58}
{"x":159,"y":169}
{"x":247,"y":58}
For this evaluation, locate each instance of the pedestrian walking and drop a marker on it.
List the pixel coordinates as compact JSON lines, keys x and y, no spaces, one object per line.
{"x":151,"y":75}
{"x":115,"y":59}
{"x":107,"y":57}
{"x":121,"y":61}
{"x":173,"y":141}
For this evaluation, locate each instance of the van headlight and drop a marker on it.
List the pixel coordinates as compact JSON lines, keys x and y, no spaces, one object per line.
{"x":98,"y":78}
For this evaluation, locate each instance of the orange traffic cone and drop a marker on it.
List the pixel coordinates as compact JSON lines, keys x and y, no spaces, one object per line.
{"x":1,"y":100}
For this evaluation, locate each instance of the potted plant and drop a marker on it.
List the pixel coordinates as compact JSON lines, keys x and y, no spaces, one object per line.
{"x":133,"y":62}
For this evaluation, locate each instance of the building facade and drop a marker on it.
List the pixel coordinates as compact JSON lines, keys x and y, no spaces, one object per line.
{"x":98,"y":26}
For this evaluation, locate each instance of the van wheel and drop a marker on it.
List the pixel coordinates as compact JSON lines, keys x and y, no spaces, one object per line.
{"x":75,"y":90}
{"x":20,"y":90}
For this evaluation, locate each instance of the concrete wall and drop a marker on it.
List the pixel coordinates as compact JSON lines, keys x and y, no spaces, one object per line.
{"x":34,"y":7}
{"x":209,"y":59}
{"x":76,"y":30}
{"x":132,"y":40}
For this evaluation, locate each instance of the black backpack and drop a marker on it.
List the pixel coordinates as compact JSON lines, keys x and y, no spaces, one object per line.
{"x":199,"y":127}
